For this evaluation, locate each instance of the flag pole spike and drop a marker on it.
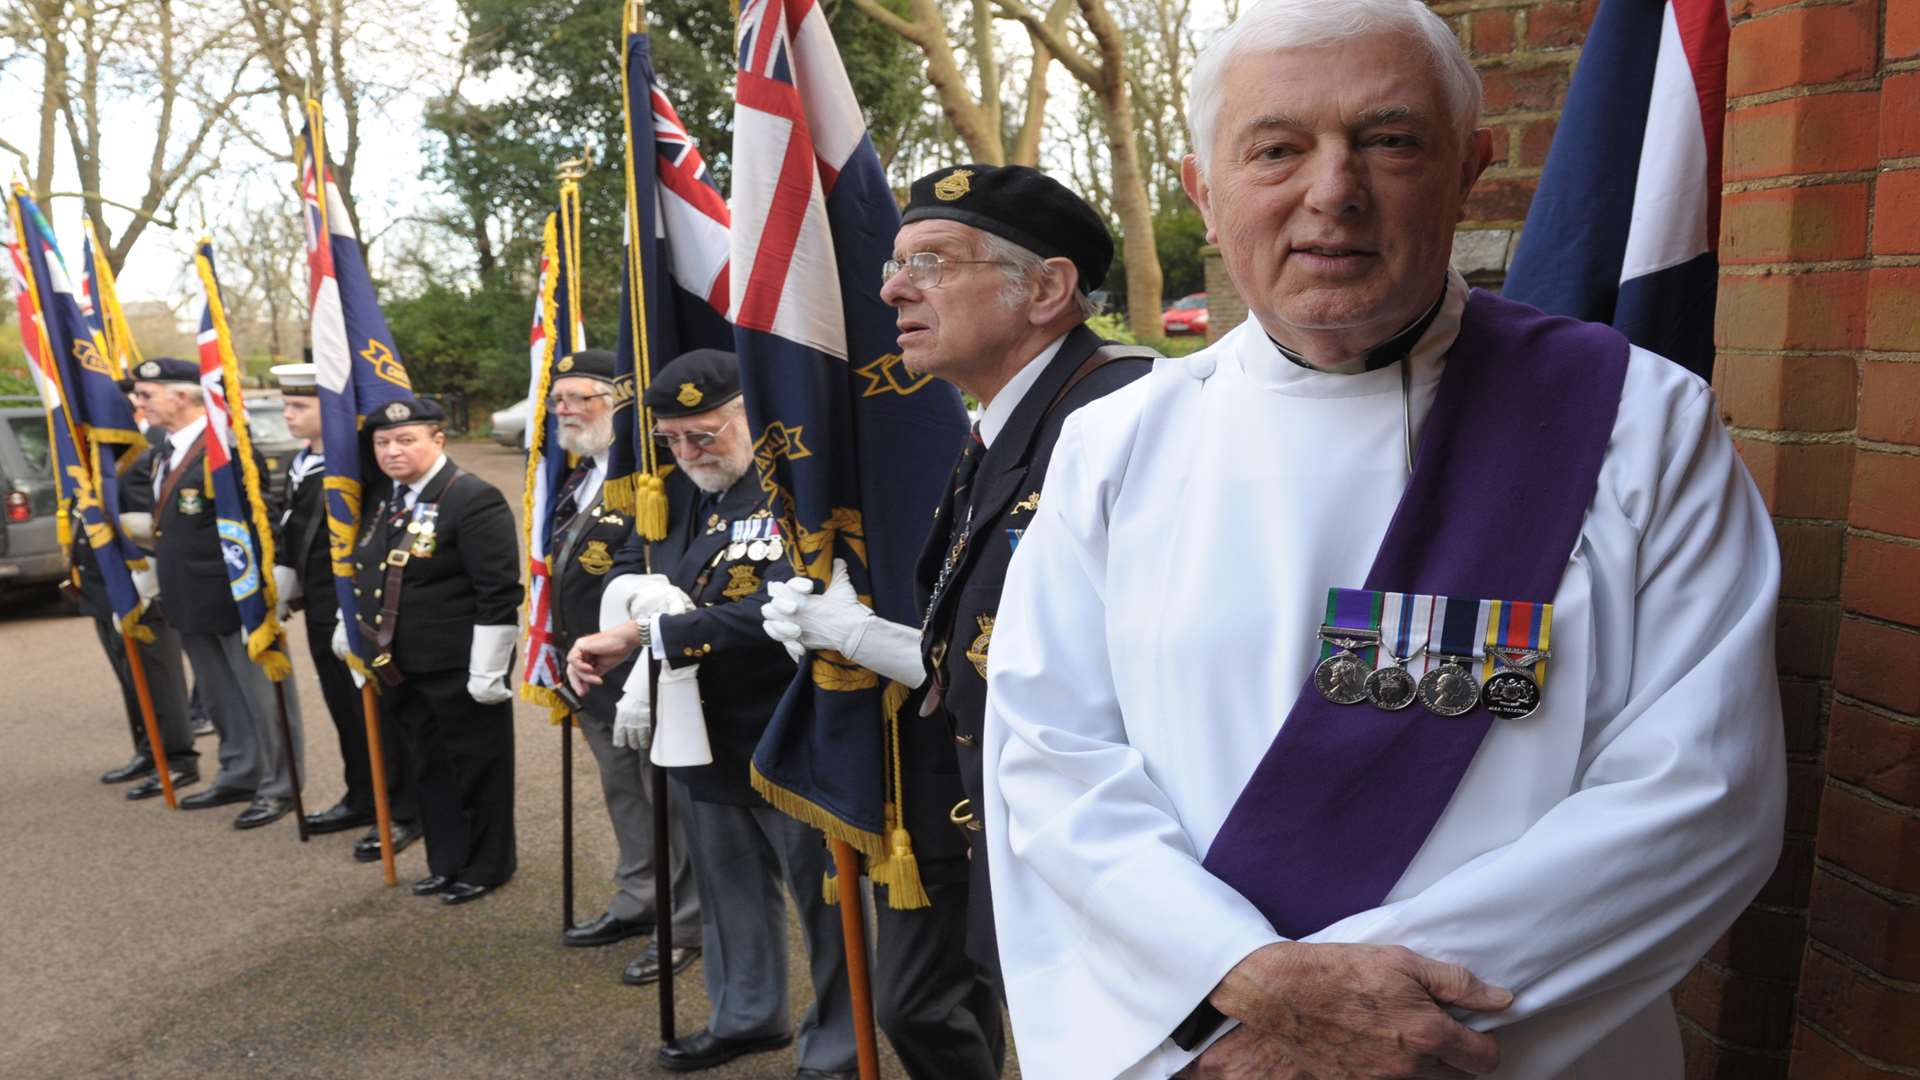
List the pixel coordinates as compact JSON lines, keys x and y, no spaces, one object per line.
{"x":574,"y":169}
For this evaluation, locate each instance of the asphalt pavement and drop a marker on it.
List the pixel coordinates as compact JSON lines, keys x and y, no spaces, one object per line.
{"x":144,"y":942}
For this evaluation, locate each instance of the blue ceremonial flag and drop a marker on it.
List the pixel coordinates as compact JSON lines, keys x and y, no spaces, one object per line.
{"x":853,"y":449}
{"x":359,"y":369}
{"x":93,"y":433}
{"x":674,"y":288}
{"x":239,"y":499}
{"x":1625,"y":226}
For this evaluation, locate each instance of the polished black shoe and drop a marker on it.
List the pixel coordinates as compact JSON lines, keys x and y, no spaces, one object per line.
{"x":605,"y":930}
{"x":459,"y":892}
{"x":216,"y":796}
{"x":138,"y":766}
{"x":202,"y":725}
{"x":367,"y":848}
{"x":645,"y":968}
{"x":703,"y":1049}
{"x":150,"y":787}
{"x":338,"y":818}
{"x":265,"y":810}
{"x":823,"y":1074}
{"x":427,"y":886}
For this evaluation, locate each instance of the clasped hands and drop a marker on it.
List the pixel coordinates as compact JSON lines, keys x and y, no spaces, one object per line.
{"x":629,"y":601}
{"x":1335,"y":1011}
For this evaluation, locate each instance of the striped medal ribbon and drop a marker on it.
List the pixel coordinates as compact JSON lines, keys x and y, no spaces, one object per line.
{"x":1450,"y":688}
{"x":1516,"y":657}
{"x":1349,"y":643}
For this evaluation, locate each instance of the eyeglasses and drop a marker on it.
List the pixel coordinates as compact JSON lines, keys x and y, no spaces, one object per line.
{"x":574,"y":402}
{"x":925,"y":269}
{"x":701,"y":439}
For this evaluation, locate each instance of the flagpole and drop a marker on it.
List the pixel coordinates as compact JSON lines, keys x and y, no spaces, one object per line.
{"x":286,"y":733}
{"x":145,"y":695}
{"x":569,"y":174}
{"x":377,"y":758}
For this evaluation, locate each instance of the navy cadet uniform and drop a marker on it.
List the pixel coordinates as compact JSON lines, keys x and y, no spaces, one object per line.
{"x":722,"y":549}
{"x":160,"y":659}
{"x":586,"y":533}
{"x":435,"y":570}
{"x":305,"y":550}
{"x":199,"y":603}
{"x":940,"y":1007}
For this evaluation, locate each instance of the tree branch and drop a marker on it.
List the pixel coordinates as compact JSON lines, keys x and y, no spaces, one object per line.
{"x":913,"y":32}
{"x":1070,"y":58}
{"x":167,"y":222}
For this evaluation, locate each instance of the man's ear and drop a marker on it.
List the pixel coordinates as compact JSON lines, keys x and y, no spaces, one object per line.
{"x":1199,"y":192}
{"x":1053,"y":292}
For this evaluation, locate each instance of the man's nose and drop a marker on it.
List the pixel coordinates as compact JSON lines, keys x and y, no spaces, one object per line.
{"x":897,"y":290}
{"x":1336,"y":181}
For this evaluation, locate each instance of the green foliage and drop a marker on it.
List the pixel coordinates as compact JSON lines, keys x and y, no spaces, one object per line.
{"x":469,"y":339}
{"x":1113,"y":327}
{"x":1178,"y":235}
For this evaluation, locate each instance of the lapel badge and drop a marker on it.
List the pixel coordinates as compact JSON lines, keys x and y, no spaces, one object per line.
{"x":190,"y":501}
{"x":1027,"y":505}
{"x":596,"y":559}
{"x":716,"y":523}
{"x":977,"y":652}
{"x":742,"y":582}
{"x":953,"y":185}
{"x":689,"y":395}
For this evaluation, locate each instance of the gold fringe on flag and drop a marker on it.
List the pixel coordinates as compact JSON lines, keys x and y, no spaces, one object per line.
{"x":557,"y":711}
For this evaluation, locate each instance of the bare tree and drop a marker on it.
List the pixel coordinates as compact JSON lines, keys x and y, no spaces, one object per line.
{"x":262,"y":278}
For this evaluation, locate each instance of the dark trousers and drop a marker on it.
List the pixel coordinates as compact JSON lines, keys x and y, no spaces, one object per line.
{"x":938,"y":1009}
{"x":461,"y":756}
{"x":161,"y":662}
{"x":350,"y":723}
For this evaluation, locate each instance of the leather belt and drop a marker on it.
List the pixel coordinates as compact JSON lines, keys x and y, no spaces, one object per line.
{"x":382,"y":636}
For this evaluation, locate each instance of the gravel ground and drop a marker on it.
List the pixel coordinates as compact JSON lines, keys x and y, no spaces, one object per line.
{"x":143,"y":942}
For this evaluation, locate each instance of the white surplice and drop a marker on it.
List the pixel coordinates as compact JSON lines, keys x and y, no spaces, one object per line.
{"x":1159,"y":619}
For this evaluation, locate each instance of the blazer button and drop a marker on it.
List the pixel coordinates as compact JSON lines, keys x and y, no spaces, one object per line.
{"x":356,"y":592}
{"x":376,"y":594}
{"x":964,"y":740}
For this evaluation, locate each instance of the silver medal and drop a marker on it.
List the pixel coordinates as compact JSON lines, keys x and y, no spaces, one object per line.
{"x":1391,"y":688}
{"x":1449,"y":689}
{"x":1513,"y":693}
{"x":776,"y":548}
{"x":757,"y":551}
{"x":736,"y":549}
{"x":1341,"y":678}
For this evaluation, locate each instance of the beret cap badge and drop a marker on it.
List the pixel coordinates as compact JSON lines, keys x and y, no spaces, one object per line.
{"x":150,"y":370}
{"x":398,"y":411}
{"x":565,"y":364}
{"x":953,"y":185}
{"x":689,"y":395}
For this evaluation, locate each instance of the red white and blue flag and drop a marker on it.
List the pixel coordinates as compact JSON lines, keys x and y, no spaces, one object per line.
{"x":853,"y":449}
{"x":1625,"y":227}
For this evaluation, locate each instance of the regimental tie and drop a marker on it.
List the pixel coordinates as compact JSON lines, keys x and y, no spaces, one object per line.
{"x":1451,"y":654}
{"x":958,"y":525}
{"x":568,"y":505}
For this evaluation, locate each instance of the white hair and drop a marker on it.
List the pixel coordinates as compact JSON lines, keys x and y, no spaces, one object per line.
{"x":193,"y":392}
{"x":1022,"y":268}
{"x":1290,"y":24}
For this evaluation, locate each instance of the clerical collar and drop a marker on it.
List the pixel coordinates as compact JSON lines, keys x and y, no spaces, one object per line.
{"x":1393,"y":350}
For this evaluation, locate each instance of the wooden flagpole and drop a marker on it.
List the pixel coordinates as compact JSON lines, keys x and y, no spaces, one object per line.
{"x":145,"y":695}
{"x":853,"y":927}
{"x":377,"y":758}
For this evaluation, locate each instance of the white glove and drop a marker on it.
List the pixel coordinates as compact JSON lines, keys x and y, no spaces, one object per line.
{"x":340,"y":641}
{"x":636,"y":597}
{"x":838,"y":621}
{"x":633,"y":716}
{"x":489,"y":663}
{"x":147,"y":582}
{"x":138,"y":527}
{"x":682,"y":740}
{"x":286,"y":588}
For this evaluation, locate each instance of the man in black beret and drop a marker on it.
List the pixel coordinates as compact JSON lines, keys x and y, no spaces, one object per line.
{"x":437,"y":574}
{"x":699,"y":615}
{"x":991,"y":276}
{"x":584,"y":534}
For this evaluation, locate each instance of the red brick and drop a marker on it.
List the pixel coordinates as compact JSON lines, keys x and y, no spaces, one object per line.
{"x":1873,"y":841}
{"x":1815,"y":1057}
{"x":1536,"y":138}
{"x":1708,"y":1060}
{"x":1893,"y":305}
{"x":1880,"y":664}
{"x":1889,"y":396}
{"x":1764,"y":944}
{"x":1810,"y":560}
{"x":1896,"y":228}
{"x":1882,"y":580}
{"x":1802,"y":47}
{"x":1492,"y":33}
{"x":1876,"y":1020}
{"x":1807,"y":480}
{"x":1801,"y":707}
{"x":1792,"y":875}
{"x":1533,"y":89}
{"x":1826,"y":310}
{"x":1900,"y":113}
{"x":1786,"y":393}
{"x":1500,"y":201}
{"x":1796,"y":224}
{"x":1876,"y":753}
{"x":1886,"y":492}
{"x":1804,"y":638}
{"x":1559,"y":25}
{"x":1818,"y":134}
{"x":1752,"y":1012}
{"x":1882,"y":935}
{"x":1903,"y":29}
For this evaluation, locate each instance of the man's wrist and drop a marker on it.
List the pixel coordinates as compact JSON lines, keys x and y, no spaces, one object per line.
{"x":1244,"y":989}
{"x":642,"y":632}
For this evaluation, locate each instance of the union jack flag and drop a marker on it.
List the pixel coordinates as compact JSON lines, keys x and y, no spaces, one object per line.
{"x":557,"y":333}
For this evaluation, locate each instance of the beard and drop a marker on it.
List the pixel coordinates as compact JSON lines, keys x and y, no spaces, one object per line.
{"x":714,"y":477}
{"x":579,"y":437}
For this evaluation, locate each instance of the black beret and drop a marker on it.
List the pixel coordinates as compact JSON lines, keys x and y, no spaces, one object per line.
{"x":695,"y":382}
{"x":166,"y":369}
{"x":1020,"y":204}
{"x":585,"y":364}
{"x":405,"y":411}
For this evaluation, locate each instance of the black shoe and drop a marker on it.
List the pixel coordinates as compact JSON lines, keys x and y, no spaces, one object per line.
{"x":135,"y":768}
{"x":645,"y":969}
{"x":605,"y":930}
{"x":427,"y":886}
{"x":822,"y":1074}
{"x":367,"y":848}
{"x":459,"y":892}
{"x":150,"y":787}
{"x":202,"y":726}
{"x":703,"y":1049}
{"x":265,"y":810}
{"x":216,"y":796}
{"x":337,"y":818}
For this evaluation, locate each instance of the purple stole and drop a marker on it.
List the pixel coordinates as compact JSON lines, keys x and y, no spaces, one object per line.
{"x":1505,"y":470}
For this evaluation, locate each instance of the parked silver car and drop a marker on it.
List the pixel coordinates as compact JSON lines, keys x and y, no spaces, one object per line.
{"x":30,"y":554}
{"x":510,"y":423}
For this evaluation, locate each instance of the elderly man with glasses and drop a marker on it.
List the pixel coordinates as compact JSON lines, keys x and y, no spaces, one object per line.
{"x":699,"y":616}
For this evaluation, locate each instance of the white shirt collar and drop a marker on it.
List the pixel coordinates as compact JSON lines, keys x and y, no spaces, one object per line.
{"x":181,"y":441}
{"x":994,"y":417}
{"x":414,"y":489}
{"x":590,"y":487}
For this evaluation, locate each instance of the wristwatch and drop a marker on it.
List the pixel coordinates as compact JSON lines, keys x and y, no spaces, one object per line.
{"x":645,"y":626}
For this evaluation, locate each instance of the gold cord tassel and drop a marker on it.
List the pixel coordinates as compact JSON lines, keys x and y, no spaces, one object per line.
{"x":650,"y":506}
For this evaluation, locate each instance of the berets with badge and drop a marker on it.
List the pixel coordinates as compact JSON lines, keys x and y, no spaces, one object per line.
{"x":1020,"y":204}
{"x":585,"y":364}
{"x":298,"y":380}
{"x":695,"y":382}
{"x":405,"y":411}
{"x":165,"y":369}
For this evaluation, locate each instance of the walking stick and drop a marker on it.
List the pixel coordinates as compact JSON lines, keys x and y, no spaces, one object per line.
{"x":286,"y":735}
{"x":146,"y":715}
{"x":853,"y":928}
{"x":377,"y":758}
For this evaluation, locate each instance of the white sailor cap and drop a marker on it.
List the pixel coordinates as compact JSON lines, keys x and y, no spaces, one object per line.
{"x":298,"y":379}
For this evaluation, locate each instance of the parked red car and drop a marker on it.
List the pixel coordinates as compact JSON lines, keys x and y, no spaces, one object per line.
{"x":1187,"y":315}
